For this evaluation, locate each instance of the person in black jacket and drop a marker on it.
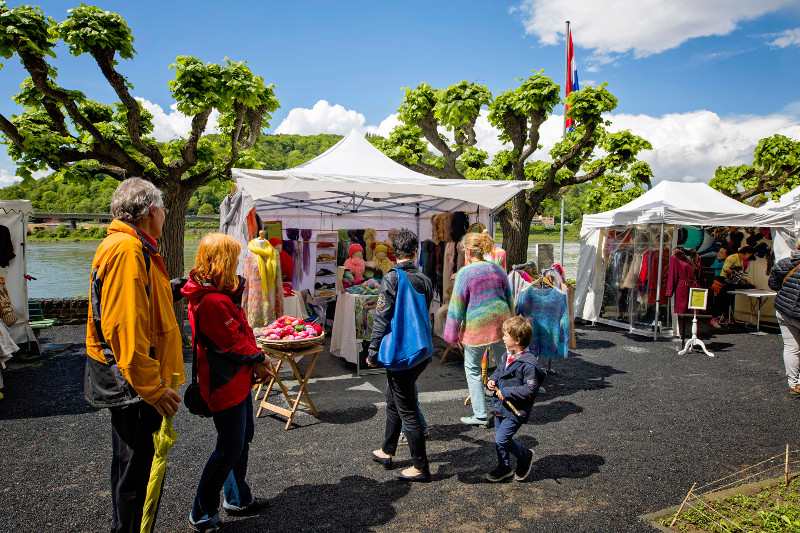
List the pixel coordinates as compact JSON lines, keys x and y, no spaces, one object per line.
{"x":515,"y":384}
{"x":785,"y":278}
{"x":401,"y":394}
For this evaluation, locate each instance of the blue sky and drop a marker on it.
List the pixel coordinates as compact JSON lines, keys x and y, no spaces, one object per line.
{"x":702,"y":80}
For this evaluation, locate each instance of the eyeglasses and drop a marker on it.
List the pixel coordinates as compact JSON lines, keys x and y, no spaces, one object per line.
{"x":166,"y":210}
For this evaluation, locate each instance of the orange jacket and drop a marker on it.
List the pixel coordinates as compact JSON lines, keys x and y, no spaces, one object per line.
{"x":133,"y":341}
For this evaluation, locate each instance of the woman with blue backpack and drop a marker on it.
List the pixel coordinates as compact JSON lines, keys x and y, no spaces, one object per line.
{"x":402,"y":343}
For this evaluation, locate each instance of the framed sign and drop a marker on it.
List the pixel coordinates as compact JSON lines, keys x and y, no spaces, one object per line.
{"x":274,"y":229}
{"x":698,"y":299}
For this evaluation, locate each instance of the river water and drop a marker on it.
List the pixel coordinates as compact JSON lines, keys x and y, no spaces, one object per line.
{"x":62,"y":268}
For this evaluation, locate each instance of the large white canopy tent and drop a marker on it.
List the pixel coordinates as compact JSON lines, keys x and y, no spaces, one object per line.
{"x":667,"y":204}
{"x":354,"y":185}
{"x":14,"y":215}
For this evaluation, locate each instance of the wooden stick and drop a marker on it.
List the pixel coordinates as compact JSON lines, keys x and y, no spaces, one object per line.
{"x":681,"y":507}
{"x":786,"y":471}
{"x":511,"y":406}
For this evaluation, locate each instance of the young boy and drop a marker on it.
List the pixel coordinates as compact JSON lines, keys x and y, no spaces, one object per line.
{"x":515,"y":383}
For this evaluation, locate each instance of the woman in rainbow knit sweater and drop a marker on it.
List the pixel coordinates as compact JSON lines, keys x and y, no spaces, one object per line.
{"x":481,"y":302}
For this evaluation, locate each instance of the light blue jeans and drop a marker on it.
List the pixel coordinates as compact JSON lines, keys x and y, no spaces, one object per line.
{"x":472,"y":368}
{"x":790,"y":330}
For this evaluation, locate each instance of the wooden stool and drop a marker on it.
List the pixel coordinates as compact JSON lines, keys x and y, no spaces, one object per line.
{"x":284,"y":356}
{"x":447,"y":351}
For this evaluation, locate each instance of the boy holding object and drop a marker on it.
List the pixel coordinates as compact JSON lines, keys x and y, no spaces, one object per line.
{"x":515,"y":383}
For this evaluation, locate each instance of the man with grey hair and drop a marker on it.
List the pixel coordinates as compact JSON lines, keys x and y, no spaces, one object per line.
{"x":133,"y":343}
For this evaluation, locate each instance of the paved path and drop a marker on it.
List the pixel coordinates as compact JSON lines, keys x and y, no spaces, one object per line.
{"x":626,"y":428}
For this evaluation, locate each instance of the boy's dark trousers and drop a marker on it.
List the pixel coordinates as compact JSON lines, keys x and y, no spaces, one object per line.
{"x":504,"y":430}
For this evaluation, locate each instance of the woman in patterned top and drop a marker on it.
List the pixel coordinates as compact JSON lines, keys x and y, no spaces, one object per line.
{"x":481,"y":302}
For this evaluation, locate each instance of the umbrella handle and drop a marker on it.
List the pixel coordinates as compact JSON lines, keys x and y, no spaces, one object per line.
{"x":176,"y":378}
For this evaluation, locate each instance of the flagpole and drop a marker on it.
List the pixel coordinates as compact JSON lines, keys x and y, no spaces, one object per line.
{"x":566,"y":76}
{"x":566,"y":88}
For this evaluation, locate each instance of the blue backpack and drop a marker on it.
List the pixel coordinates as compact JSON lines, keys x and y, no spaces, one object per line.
{"x":409,"y":342}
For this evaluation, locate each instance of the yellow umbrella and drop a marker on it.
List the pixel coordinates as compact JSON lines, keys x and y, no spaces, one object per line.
{"x":163,"y":439}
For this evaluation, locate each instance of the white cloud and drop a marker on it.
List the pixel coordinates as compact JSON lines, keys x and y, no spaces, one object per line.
{"x":7,"y":177}
{"x":784,"y":38}
{"x":322,"y":118}
{"x":686,"y":146}
{"x":690,"y":146}
{"x":644,"y":27}
{"x":172,"y":125}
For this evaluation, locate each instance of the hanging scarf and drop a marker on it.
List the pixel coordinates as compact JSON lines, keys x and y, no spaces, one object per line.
{"x":305,"y":234}
{"x":267,"y":265}
{"x":293,"y":234}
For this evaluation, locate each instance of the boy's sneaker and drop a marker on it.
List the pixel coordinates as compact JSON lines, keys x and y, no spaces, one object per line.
{"x":524,"y":467}
{"x":499,"y":474}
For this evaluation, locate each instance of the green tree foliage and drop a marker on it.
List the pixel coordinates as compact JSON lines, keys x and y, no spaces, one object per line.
{"x":62,"y":130}
{"x":272,"y":151}
{"x":589,"y":154}
{"x":775,"y":170}
{"x":205,"y":210}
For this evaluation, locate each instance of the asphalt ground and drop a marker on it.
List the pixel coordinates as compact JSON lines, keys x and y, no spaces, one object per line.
{"x":625,"y":428}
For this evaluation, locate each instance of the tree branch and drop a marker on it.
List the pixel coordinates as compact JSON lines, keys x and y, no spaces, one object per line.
{"x":105,"y":60}
{"x":39,"y":72}
{"x":11,"y":131}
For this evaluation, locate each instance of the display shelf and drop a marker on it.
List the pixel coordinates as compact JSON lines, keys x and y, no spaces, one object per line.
{"x":324,"y":295}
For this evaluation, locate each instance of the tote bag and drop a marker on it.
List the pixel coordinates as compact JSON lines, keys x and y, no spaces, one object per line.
{"x":7,"y":314}
{"x":409,"y":342}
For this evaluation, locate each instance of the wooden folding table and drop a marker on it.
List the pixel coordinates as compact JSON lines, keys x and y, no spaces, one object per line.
{"x":287,"y":356}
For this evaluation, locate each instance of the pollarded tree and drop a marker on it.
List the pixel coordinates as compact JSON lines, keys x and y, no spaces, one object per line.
{"x":775,"y":171}
{"x":588,"y":154}
{"x":62,"y":130}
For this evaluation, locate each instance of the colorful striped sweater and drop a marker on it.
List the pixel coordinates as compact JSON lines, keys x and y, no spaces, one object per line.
{"x":481,"y":302}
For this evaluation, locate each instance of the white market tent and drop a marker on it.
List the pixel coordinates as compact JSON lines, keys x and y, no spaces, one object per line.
{"x":667,"y":204}
{"x":354,"y":185}
{"x":14,"y":215}
{"x":784,"y":241}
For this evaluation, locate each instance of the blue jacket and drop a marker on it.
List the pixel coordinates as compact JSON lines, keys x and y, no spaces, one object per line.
{"x":787,"y":301}
{"x":519,"y":384}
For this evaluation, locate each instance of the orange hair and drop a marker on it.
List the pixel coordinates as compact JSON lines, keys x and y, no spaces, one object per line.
{"x":216,"y":260}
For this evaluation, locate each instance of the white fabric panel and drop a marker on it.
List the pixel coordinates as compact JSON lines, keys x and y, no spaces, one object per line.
{"x":689,"y":204}
{"x":354,"y":167}
{"x":14,"y":215}
{"x":343,"y":335}
{"x":584,"y":286}
{"x":783,"y":242}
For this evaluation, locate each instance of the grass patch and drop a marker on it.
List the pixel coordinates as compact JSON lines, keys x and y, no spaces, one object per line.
{"x":775,"y":508}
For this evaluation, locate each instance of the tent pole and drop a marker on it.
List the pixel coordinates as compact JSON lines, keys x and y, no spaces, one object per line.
{"x":658,"y":284}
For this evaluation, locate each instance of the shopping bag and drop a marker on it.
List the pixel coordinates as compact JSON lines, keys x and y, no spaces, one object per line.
{"x":7,"y":314}
{"x":409,"y":342}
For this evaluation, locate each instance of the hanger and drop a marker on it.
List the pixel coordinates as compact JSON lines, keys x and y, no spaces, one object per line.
{"x":543,"y":279}
{"x":234,"y":187}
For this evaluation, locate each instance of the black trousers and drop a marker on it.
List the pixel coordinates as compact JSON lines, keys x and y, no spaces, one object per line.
{"x":402,"y":413}
{"x":132,"y":429}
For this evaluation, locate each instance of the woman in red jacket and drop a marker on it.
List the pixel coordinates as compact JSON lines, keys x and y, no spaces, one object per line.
{"x":227,"y":359}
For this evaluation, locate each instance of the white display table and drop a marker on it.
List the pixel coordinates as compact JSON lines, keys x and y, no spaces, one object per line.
{"x":347,"y":335}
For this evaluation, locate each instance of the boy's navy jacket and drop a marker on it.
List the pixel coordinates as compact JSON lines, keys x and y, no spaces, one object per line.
{"x":519,"y":383}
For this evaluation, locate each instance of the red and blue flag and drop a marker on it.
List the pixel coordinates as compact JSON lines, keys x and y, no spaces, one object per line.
{"x":572,"y":76}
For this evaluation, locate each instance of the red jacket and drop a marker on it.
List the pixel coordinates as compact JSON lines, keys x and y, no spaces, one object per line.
{"x":226,"y":346}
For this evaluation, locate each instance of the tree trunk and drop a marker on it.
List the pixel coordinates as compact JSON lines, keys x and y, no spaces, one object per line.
{"x":176,"y":199}
{"x":516,"y":222}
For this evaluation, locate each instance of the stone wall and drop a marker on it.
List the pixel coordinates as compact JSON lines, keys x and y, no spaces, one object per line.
{"x":68,"y":311}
